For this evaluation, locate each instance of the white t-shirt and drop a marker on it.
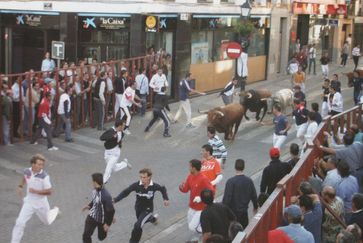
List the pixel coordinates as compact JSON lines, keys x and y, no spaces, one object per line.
{"x":62,"y":99}
{"x":127,"y":97}
{"x":157,"y":82}
{"x":38,"y":181}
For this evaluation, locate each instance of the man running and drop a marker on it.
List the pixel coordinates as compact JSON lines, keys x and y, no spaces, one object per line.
{"x":113,"y":143}
{"x":101,"y":211}
{"x":128,"y":99}
{"x":36,"y":201}
{"x":210,"y":166}
{"x":219,"y":150}
{"x":144,"y":206}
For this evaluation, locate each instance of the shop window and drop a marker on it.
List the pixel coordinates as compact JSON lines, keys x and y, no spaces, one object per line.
{"x":201,"y":41}
{"x":257,"y":43}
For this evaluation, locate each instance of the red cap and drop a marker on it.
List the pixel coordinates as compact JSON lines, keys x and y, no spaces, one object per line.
{"x":274,"y":153}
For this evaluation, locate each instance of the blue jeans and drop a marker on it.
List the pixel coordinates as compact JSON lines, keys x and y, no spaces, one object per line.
{"x":67,"y":121}
{"x":143,"y":98}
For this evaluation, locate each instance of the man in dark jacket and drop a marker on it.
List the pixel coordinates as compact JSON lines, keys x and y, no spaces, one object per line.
{"x":216,"y":217}
{"x":357,"y":208}
{"x":238,"y":193}
{"x":160,"y":102}
{"x":274,"y":172}
{"x":145,"y":191}
{"x":101,"y":211}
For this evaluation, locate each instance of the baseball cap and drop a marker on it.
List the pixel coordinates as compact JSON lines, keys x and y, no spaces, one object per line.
{"x":293,"y":211}
{"x":274,"y":152}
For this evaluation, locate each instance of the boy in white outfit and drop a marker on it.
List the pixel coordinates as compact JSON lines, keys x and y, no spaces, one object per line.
{"x":36,"y":201}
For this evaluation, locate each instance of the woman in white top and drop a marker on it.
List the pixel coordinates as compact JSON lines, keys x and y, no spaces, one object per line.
{"x":356,"y":55}
{"x":312,"y":125}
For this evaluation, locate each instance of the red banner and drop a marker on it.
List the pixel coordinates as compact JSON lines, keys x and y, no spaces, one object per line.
{"x":315,"y":8}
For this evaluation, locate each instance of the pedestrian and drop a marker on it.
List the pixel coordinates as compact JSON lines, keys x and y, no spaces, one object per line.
{"x":113,"y":143}
{"x":356,"y":55}
{"x":44,"y":122}
{"x":335,"y":104}
{"x":216,"y":217}
{"x":282,"y":125}
{"x":6,"y":114}
{"x":315,"y":108}
{"x":160,"y":104}
{"x":99,"y":100}
{"x":312,"y":126}
{"x":32,"y":97}
{"x":292,"y":66}
{"x":294,"y":232}
{"x":324,"y":60}
{"x":357,"y":211}
{"x":325,"y":97}
{"x":210,"y":166}
{"x":294,"y":155}
{"x":297,"y":46}
{"x":120,"y":86}
{"x":144,"y":206}
{"x":142,"y":86}
{"x":239,"y":192}
{"x":184,"y":90}
{"x":158,"y":81}
{"x":274,"y":172}
{"x":64,"y":111}
{"x":16,"y":89}
{"x":101,"y":211}
{"x":242,"y":69}
{"x":196,"y":182}
{"x":228,"y":91}
{"x":48,"y":64}
{"x":298,"y":79}
{"x":109,"y":92}
{"x":356,"y":83}
{"x":312,"y":58}
{"x":345,"y":53}
{"x":36,"y":201}
{"x":335,"y":82}
{"x":219,"y":150}
{"x":128,"y":99}
{"x":300,"y":115}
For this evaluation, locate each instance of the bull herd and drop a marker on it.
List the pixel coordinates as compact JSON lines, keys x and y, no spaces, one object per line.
{"x":227,"y":119}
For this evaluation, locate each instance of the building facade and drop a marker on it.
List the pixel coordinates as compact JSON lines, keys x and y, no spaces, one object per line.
{"x":193,"y":35}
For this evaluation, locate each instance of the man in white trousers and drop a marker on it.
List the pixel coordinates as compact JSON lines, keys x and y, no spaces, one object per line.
{"x":184,"y":90}
{"x":282,"y":125}
{"x":38,"y":188}
{"x":113,"y":143}
{"x":128,"y":99}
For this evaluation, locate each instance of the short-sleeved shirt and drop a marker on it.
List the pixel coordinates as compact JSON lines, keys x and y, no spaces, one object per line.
{"x":353,"y":155}
{"x":127,"y":97}
{"x":37,"y":181}
{"x":184,"y":89}
{"x":280,"y":124}
{"x":346,"y":188}
{"x":210,"y":168}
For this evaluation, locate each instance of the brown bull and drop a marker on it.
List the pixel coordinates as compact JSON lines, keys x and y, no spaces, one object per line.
{"x":223,"y":119}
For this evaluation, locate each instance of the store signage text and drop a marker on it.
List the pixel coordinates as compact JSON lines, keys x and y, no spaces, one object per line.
{"x":29,"y":19}
{"x":110,"y":23}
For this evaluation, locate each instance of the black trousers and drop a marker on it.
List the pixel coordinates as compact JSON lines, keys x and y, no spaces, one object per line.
{"x":143,"y":217}
{"x":344,"y":59}
{"x":89,"y":227}
{"x":356,"y":61}
{"x":160,"y":114}
{"x":48,"y":130}
{"x":16,"y":118}
{"x":242,"y":218}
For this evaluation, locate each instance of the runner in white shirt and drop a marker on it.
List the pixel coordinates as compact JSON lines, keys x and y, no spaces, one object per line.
{"x":38,"y":188}
{"x":158,"y":81}
{"x":127,"y":100}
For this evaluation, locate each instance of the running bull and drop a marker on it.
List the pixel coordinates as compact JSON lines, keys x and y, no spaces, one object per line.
{"x":255,"y":101}
{"x":223,"y":119}
{"x":285,"y":98}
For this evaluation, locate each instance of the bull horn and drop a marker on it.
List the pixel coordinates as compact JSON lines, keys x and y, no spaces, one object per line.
{"x":220,"y":113}
{"x":203,"y":111}
{"x":249,"y":95}
{"x":263,"y":99}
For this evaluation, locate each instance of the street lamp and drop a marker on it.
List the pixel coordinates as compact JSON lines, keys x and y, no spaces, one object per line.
{"x":246,"y":9}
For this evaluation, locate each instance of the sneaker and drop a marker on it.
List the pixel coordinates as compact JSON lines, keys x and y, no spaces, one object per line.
{"x":54,"y":148}
{"x":129,"y":166}
{"x":155,"y":219}
{"x":190,"y":125}
{"x":52,"y":214}
{"x":35,"y":143}
{"x":166,"y":135}
{"x":146,"y":129}
{"x":127,"y":132}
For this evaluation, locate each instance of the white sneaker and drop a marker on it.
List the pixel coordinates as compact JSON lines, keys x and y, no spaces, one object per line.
{"x":127,"y":132}
{"x":129,"y":166}
{"x":54,"y":148}
{"x":35,"y":143}
{"x":52,"y":214}
{"x":156,"y":216}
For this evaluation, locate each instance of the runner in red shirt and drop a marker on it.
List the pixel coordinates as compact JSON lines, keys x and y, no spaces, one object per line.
{"x":210,"y":165}
{"x":44,"y":122}
{"x":196,"y":182}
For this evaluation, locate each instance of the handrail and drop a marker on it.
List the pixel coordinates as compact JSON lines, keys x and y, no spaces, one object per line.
{"x":270,"y":214}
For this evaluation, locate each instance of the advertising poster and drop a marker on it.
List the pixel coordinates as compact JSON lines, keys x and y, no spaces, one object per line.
{"x":200,"y":52}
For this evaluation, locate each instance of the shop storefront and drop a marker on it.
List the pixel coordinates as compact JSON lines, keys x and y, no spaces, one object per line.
{"x":103,"y":38}
{"x":210,"y":37}
{"x":27,"y":36}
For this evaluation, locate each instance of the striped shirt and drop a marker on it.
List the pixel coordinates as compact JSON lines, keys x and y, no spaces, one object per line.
{"x":101,"y":206}
{"x":219,"y":150}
